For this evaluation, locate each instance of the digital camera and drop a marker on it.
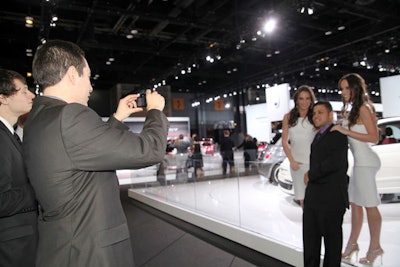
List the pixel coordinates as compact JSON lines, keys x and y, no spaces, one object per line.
{"x":141,"y":101}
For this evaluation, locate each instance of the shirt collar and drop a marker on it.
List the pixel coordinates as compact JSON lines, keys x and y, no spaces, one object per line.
{"x":323,"y":129}
{"x":7,"y":124}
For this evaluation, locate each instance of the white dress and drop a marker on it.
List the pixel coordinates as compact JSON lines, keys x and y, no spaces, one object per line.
{"x":301,"y":136}
{"x":362,"y":186}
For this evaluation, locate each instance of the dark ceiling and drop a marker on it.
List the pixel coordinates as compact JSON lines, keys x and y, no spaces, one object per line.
{"x":173,"y":35}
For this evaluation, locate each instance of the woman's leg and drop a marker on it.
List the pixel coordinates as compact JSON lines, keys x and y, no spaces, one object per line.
{"x":356,"y":224}
{"x":375,"y":224}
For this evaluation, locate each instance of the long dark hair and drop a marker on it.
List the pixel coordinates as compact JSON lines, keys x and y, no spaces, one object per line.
{"x":294,"y":113}
{"x":358,"y":97}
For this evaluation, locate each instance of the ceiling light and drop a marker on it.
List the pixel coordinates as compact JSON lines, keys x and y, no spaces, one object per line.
{"x":29,"y":21}
{"x":341,"y":28}
{"x":54,"y":17}
{"x":310,"y":11}
{"x":269,"y":26}
{"x":134,"y":31}
{"x":328,"y":33}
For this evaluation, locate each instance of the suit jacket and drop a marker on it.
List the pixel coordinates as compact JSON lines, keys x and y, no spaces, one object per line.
{"x":328,"y":179}
{"x":71,"y":158}
{"x":18,"y":207}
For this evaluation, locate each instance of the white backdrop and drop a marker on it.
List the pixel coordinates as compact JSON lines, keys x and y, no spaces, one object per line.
{"x":390,"y":95}
{"x":260,"y":116}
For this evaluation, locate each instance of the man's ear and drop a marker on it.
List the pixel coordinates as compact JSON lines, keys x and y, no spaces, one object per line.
{"x":331,"y":116}
{"x":3,"y":99}
{"x":72,"y":74}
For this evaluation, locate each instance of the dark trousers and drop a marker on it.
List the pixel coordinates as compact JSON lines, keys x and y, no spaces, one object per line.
{"x":227,"y":158}
{"x":327,"y":224}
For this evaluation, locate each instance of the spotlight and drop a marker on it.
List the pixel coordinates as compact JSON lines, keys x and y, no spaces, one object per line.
{"x":29,"y":21}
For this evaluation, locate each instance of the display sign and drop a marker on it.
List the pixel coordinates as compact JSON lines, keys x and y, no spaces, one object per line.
{"x":178,"y":103}
{"x":219,"y":104}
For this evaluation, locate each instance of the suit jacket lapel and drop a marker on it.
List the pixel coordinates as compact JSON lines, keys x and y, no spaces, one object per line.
{"x":321,"y":136}
{"x":12,"y":138}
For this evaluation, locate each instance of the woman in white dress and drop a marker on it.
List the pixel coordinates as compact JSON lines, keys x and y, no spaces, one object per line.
{"x":360,"y":126}
{"x":297,"y":135}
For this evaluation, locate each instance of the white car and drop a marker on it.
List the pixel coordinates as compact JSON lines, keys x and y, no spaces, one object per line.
{"x":388,"y":176}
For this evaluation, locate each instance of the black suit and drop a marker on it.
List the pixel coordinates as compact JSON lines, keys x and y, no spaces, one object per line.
{"x":18,"y":207}
{"x":71,"y":157}
{"x":326,"y":199}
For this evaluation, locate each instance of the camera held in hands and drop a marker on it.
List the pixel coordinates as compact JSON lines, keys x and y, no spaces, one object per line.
{"x":141,"y":101}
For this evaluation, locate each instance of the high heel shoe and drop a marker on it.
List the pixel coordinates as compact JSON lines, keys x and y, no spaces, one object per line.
{"x":371,"y":257}
{"x":350,"y":250}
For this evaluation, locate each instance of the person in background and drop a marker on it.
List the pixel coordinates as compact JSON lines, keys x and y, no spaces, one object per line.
{"x":250,"y":151}
{"x":18,"y":205}
{"x":71,"y":157}
{"x":226,"y":151}
{"x":360,"y":126}
{"x":326,"y":197}
{"x":197,"y":157}
{"x":389,"y":139}
{"x":297,"y":134}
{"x":182,"y":149}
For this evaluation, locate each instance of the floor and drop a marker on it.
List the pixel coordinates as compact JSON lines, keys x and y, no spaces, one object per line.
{"x":257,"y":209}
{"x":157,"y":243}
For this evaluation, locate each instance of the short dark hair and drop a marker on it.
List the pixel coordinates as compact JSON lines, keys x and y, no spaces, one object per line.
{"x":7,"y":77}
{"x":325,"y":104}
{"x":52,"y":60}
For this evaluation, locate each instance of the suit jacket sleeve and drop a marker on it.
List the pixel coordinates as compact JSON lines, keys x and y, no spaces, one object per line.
{"x":93,"y":145}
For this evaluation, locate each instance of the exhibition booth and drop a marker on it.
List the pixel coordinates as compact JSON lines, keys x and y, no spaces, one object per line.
{"x":247,"y":209}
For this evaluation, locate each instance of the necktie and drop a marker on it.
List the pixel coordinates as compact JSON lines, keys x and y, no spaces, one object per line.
{"x":17,"y":137}
{"x":317,"y":136}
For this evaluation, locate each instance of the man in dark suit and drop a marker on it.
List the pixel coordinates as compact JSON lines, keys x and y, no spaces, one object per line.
{"x":226,"y":150}
{"x":326,"y":197}
{"x":72,"y":157}
{"x":18,"y":206}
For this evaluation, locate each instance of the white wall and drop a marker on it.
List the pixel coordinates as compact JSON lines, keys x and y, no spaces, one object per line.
{"x":260,"y":116}
{"x":390,"y":95}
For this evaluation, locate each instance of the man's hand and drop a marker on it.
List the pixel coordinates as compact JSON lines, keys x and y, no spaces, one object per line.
{"x":126,"y":107}
{"x":154,"y":100}
{"x":306,"y":178}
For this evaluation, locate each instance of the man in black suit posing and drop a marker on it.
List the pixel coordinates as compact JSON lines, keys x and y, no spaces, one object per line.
{"x":18,"y":206}
{"x":326,"y":197}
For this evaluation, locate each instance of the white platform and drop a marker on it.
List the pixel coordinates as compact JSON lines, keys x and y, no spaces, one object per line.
{"x":258,"y":215}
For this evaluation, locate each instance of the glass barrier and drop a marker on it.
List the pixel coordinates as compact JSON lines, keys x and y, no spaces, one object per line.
{"x":255,"y":197}
{"x":244,"y":196}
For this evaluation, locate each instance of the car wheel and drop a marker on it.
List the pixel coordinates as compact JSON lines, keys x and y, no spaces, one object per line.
{"x":273,"y":178}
